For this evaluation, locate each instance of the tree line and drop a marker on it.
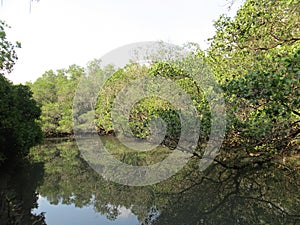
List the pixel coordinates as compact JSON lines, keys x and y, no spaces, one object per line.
{"x":18,"y":110}
{"x":254,"y":57}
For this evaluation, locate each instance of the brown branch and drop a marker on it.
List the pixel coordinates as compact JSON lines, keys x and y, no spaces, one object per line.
{"x":277,"y":39}
{"x":292,"y":110}
{"x":292,"y":40}
{"x":273,"y":205}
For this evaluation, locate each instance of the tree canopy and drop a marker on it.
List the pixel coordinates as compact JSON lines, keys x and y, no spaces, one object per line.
{"x":54,"y":92}
{"x":18,"y":111}
{"x":255,"y":59}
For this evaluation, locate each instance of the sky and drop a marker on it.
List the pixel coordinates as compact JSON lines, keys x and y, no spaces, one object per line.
{"x":57,"y":33}
{"x":62,"y":214}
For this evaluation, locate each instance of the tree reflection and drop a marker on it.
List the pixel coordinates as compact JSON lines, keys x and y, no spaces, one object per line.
{"x":256,"y":194}
{"x":265,"y":195}
{"x":18,"y":194}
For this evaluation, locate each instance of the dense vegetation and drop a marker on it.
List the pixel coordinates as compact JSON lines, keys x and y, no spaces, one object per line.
{"x":255,"y":59}
{"x":256,"y":56}
{"x":54,"y":93}
{"x":19,"y":131}
{"x":18,"y":110}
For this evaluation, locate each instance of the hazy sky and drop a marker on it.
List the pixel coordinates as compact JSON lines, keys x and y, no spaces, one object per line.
{"x":58,"y":33}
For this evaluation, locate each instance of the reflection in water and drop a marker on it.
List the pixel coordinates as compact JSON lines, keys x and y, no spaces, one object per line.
{"x":18,"y":194}
{"x":258,"y":194}
{"x":62,"y":214}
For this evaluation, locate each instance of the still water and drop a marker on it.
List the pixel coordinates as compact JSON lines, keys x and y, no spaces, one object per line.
{"x":60,"y":188}
{"x":61,"y":214}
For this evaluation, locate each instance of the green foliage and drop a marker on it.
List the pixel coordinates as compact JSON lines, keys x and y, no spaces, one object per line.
{"x":166,"y":69}
{"x":18,"y":111}
{"x":143,"y":112}
{"x":275,"y":90}
{"x":8,"y":54}
{"x":255,"y":57}
{"x":241,"y":44}
{"x":54,"y":92}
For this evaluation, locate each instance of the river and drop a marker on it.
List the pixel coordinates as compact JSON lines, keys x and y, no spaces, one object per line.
{"x":60,"y":188}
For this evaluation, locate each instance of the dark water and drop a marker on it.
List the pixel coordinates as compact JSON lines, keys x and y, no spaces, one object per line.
{"x":59,"y":187}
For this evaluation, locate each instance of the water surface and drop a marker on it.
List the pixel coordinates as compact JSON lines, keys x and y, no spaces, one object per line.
{"x":68,"y":191}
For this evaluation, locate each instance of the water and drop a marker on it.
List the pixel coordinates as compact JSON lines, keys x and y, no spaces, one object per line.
{"x":61,"y":214}
{"x":59,"y":187}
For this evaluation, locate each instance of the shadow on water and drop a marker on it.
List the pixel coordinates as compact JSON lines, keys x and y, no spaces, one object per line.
{"x":18,"y":195}
{"x":265,"y":194}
